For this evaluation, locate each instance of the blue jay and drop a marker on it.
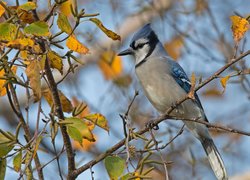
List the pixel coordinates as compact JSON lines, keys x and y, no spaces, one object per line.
{"x":164,"y":83}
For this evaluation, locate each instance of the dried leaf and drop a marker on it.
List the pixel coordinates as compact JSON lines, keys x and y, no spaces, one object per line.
{"x":108,"y":32}
{"x":66,"y":104}
{"x":33,"y":73}
{"x":39,"y":28}
{"x":17,"y":162}
{"x":110,"y":65}
{"x":200,"y":6}
{"x":2,"y":81}
{"x":174,"y":47}
{"x":55,"y":61}
{"x":26,"y":17}
{"x":27,"y":6}
{"x":63,"y":23}
{"x":239,"y":27}
{"x":223,"y":82}
{"x":8,"y":31}
{"x":99,"y":120}
{"x":74,"y":45}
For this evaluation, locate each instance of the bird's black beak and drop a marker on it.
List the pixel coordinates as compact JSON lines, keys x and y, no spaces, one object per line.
{"x":128,"y":51}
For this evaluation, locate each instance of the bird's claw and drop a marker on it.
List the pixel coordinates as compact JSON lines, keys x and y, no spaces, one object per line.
{"x":152,"y":125}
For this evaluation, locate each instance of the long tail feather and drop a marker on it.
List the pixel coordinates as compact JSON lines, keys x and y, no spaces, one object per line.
{"x":215,"y":159}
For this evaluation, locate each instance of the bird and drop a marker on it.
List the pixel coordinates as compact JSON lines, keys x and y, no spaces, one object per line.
{"x":164,"y":83}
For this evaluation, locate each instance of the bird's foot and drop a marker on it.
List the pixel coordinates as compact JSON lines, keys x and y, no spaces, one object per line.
{"x":152,"y":125}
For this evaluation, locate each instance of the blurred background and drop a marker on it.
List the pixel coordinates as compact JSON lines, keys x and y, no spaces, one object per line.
{"x":197,"y":34}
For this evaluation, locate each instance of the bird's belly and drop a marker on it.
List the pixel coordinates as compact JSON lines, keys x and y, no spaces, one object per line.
{"x":162,"y":94}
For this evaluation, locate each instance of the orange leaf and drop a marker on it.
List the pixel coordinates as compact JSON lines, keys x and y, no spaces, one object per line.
{"x":66,"y":104}
{"x":2,"y":10}
{"x":239,"y":27}
{"x":223,"y":82}
{"x":74,"y":45}
{"x":3,"y":81}
{"x":174,"y":47}
{"x":110,"y":65}
{"x":33,"y":73}
{"x":212,"y":92}
{"x":85,"y":146}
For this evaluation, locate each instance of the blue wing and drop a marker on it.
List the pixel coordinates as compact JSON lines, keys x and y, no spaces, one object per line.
{"x":183,"y":81}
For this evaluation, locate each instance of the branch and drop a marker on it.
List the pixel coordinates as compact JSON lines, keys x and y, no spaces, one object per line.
{"x":59,"y":113}
{"x":166,"y":116}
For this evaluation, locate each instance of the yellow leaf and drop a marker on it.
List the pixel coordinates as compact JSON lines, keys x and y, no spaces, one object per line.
{"x":2,"y":10}
{"x":37,"y":143}
{"x":99,"y":120}
{"x":63,"y":23}
{"x":55,"y":61}
{"x":239,"y":27}
{"x":223,"y":82}
{"x":108,"y":32}
{"x":3,"y":81}
{"x":110,"y":65}
{"x":21,"y":43}
{"x":74,"y":45}
{"x":27,"y":6}
{"x":17,"y":162}
{"x":33,"y":73}
{"x":66,"y":104}
{"x":65,"y":7}
{"x":174,"y":47}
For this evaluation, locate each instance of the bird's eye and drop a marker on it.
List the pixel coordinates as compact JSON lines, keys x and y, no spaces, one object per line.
{"x":140,"y":46}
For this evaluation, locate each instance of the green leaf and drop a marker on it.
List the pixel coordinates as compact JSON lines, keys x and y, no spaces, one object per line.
{"x":99,"y":120}
{"x":8,"y":31}
{"x":108,"y":32}
{"x":75,"y":134}
{"x":39,"y":28}
{"x":27,"y":6}
{"x":80,"y":125}
{"x":114,"y":166}
{"x":17,"y":162}
{"x":2,"y":168}
{"x":63,"y":23}
{"x":5,"y":148}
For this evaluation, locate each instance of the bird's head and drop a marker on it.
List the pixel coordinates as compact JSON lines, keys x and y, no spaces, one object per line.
{"x":142,"y":44}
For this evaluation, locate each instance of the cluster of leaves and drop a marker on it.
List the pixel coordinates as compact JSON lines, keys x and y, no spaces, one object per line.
{"x":32,"y":42}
